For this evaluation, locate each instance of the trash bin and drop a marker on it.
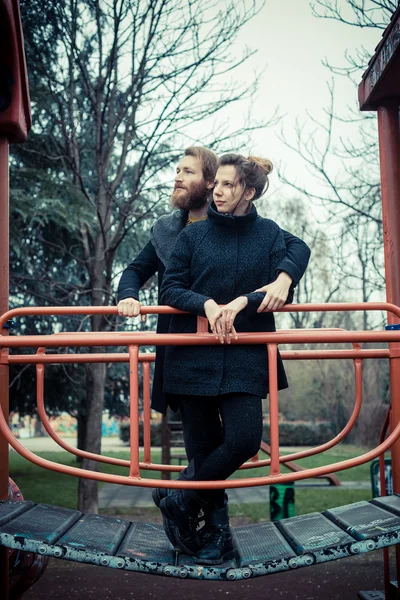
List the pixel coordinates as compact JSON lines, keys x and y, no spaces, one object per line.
{"x":281,"y":501}
{"x":375,"y":479}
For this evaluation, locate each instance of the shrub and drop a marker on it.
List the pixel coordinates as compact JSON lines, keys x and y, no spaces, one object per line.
{"x":291,"y":433}
{"x":155,"y":433}
{"x":301,"y":433}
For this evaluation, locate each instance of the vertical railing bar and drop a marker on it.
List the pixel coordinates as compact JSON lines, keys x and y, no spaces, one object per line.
{"x":134,"y":470}
{"x":146,"y":412}
{"x":40,"y":381}
{"x":4,"y":368}
{"x":202,"y":324}
{"x":273,"y":408}
{"x":383,"y":492}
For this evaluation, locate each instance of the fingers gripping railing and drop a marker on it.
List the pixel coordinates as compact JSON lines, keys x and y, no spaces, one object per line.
{"x":133,"y":341}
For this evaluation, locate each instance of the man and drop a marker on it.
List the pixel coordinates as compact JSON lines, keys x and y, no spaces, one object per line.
{"x":194,"y":182}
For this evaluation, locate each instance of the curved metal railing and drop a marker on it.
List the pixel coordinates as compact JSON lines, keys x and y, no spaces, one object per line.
{"x":137,"y":339}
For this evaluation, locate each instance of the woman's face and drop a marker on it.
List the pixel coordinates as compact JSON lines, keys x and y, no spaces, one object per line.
{"x":228,"y":194}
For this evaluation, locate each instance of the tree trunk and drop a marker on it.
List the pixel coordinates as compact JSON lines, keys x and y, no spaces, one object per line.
{"x":87,"y":489}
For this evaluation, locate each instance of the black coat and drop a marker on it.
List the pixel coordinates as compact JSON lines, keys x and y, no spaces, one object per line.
{"x":221,"y":258}
{"x":153,"y":259}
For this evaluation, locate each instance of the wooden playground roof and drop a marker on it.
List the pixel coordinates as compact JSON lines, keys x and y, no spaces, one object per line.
{"x":381,"y":80}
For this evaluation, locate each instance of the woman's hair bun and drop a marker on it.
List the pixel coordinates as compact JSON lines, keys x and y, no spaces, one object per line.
{"x":265,"y":164}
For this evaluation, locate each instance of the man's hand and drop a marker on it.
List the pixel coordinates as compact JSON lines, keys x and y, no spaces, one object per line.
{"x":129,"y":307}
{"x":228,"y":315}
{"x":213,"y":312}
{"x":276,"y":293}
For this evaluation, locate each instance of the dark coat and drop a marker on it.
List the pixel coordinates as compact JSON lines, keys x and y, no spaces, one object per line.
{"x":153,"y":259}
{"x":221,"y":258}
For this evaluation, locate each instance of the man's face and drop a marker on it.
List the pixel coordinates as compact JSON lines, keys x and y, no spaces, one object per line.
{"x":191,"y":189}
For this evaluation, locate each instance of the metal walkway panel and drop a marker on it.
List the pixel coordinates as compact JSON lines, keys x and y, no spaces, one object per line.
{"x":390,"y":503}
{"x":11,"y":509}
{"x":190,"y":561}
{"x":310,"y":533}
{"x":364,"y":520}
{"x":147,"y":541}
{"x":95,"y":533}
{"x":263,"y":542}
{"x":262,"y":549}
{"x":41,"y":525}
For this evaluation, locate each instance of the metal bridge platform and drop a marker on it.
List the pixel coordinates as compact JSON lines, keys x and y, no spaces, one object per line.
{"x":262,"y":549}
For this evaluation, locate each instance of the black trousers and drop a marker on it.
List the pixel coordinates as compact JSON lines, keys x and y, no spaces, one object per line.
{"x":220,"y":434}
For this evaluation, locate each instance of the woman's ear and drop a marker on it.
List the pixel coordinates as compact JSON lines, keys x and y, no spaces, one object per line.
{"x":249,"y":194}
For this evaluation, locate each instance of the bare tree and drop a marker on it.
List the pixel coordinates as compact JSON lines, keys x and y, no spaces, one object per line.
{"x":345,"y":184}
{"x":357,"y":13}
{"x":322,"y":281}
{"x":345,"y":169}
{"x":127,"y":81}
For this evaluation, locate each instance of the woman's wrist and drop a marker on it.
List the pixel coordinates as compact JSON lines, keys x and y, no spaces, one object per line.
{"x":208,"y":303}
{"x":285,"y":277}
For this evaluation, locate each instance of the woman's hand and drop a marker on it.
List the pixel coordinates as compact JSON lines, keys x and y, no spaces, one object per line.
{"x":213,"y":312}
{"x":276,"y":293}
{"x":226,"y":320}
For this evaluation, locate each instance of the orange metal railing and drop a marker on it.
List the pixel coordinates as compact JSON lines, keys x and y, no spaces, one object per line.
{"x":135,"y":340}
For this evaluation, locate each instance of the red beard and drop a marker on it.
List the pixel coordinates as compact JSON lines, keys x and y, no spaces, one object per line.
{"x":193,"y":198}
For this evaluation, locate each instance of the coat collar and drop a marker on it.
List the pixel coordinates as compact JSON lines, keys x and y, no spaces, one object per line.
{"x":231,"y":220}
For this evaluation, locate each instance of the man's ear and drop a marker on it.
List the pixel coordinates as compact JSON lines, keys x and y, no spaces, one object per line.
{"x":210,"y":185}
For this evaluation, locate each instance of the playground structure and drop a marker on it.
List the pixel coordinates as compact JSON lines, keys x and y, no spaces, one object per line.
{"x":270,"y":548}
{"x":262,"y":549}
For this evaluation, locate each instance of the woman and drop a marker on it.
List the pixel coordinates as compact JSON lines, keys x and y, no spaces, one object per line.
{"x":220,"y":261}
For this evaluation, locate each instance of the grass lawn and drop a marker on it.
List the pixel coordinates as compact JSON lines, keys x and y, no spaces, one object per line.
{"x":40,"y":485}
{"x":306,"y":501}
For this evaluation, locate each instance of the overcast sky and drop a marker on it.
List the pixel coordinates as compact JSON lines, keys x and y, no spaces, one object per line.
{"x":291,"y":43}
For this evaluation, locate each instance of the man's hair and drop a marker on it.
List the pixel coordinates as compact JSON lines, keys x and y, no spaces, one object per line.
{"x":208,"y":159}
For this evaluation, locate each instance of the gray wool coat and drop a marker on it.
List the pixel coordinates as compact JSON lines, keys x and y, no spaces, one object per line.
{"x":222,"y":258}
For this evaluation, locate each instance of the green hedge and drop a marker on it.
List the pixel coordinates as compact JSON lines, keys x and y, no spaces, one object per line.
{"x":290,"y":433}
{"x":301,"y":433}
{"x":155,"y":430}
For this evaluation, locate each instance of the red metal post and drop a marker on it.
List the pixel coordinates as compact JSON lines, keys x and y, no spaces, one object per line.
{"x":4,"y":235}
{"x":389,"y":148}
{"x":275,"y":468}
{"x":146,"y":412}
{"x":134,"y":470}
{"x":383,"y":492}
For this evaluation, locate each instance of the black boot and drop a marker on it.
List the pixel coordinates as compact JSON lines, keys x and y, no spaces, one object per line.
{"x":159,"y":494}
{"x":180,"y":512}
{"x":216,"y":539}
